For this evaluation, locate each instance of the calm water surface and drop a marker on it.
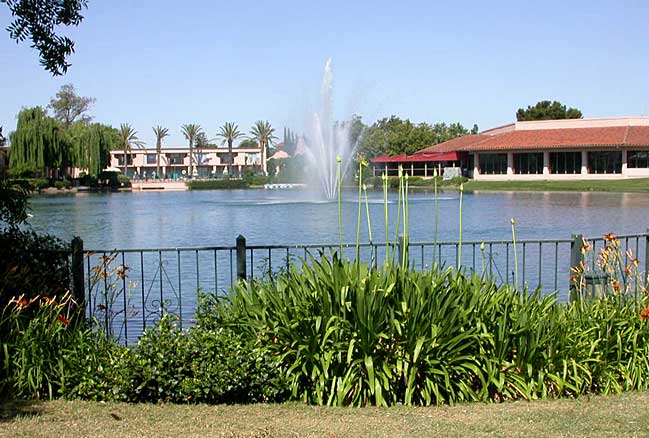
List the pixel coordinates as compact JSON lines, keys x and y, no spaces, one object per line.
{"x":207,"y":218}
{"x":265,"y":217}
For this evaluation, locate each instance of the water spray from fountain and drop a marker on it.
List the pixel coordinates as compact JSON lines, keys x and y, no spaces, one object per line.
{"x":327,"y":139}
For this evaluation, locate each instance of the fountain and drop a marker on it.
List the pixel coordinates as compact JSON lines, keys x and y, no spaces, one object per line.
{"x":326,"y":140}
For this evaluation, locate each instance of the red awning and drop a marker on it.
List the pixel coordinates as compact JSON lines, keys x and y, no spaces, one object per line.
{"x":418,"y":158}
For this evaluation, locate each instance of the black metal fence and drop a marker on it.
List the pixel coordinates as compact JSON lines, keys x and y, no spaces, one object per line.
{"x":127,"y":290}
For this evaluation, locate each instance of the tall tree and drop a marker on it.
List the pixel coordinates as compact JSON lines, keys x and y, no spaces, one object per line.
{"x":160,"y":134}
{"x":126,"y":139}
{"x":69,"y":107}
{"x":264,"y":135}
{"x":229,"y":133}
{"x":546,"y":110}
{"x":38,"y":143}
{"x":39,"y":22}
{"x":290,"y":141}
{"x":90,"y":146}
{"x":191,"y":131}
{"x":394,"y":136}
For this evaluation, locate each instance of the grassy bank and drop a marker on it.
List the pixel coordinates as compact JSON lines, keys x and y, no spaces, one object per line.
{"x":620,"y":415}
{"x":625,"y":185}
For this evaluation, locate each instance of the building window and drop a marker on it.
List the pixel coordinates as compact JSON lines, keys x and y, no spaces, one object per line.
{"x":493,"y":164}
{"x":605,"y":162}
{"x":565,"y":162}
{"x":528,"y":163}
{"x":151,"y":158}
{"x":176,"y":158}
{"x":637,"y":159}
{"x":120,"y":159}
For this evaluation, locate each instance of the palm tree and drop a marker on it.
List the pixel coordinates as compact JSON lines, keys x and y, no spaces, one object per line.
{"x":190,"y":131}
{"x":263,"y":134}
{"x":127,"y":138}
{"x":229,"y":132}
{"x":160,"y":134}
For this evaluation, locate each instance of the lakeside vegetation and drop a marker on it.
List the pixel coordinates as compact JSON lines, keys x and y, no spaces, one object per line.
{"x":337,"y":332}
{"x":639,"y":185}
{"x":622,"y":185}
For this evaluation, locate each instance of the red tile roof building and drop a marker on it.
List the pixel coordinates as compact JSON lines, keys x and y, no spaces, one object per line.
{"x":548,"y":149}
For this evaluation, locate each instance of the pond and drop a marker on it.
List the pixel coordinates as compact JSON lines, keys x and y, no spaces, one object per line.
{"x":167,"y":281}
{"x":264,"y":217}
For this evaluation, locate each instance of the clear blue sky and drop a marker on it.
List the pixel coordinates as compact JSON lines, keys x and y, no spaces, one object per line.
{"x":172,"y":62}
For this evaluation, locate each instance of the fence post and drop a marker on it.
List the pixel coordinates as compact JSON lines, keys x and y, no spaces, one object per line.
{"x":576,"y":257}
{"x":241,"y":257}
{"x":403,"y":248}
{"x":78,"y":282}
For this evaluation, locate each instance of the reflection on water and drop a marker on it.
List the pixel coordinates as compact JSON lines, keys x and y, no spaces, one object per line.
{"x":153,"y":219}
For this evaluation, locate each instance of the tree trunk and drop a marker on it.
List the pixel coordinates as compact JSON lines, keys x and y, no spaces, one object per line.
{"x":229,"y":158}
{"x":158,"y":150}
{"x":125,"y":160}
{"x":263,"y":159}
{"x":191,"y":158}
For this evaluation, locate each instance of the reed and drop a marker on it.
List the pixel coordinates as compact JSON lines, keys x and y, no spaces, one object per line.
{"x":340,"y":212}
{"x":459,"y":258}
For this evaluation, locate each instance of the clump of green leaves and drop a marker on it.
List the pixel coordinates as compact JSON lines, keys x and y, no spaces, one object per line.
{"x":349,"y":335}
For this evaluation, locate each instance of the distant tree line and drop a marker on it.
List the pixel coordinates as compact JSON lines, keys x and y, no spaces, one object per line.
{"x":44,"y":145}
{"x":546,"y":110}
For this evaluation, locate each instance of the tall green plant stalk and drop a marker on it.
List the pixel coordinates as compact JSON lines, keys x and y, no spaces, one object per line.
{"x":361,"y":164}
{"x":340,"y":213}
{"x":459,"y":250}
{"x":367,"y":213}
{"x":436,"y":215}
{"x":404,"y":256}
{"x":398,"y":225}
{"x":515,"y":252}
{"x":386,"y":218}
{"x":369,"y":224}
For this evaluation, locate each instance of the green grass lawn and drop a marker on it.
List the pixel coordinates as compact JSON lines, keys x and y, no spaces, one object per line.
{"x":625,"y":185}
{"x":610,"y":416}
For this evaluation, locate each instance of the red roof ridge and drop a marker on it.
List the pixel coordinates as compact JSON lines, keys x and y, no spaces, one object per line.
{"x":626,"y":134}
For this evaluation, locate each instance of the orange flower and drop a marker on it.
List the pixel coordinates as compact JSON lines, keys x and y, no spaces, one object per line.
{"x":645,"y":313}
{"x":616,"y":287}
{"x":609,"y":237}
{"x":635,"y":262}
{"x":121,"y":271}
{"x":22,"y":303}
{"x":63,"y":320}
{"x":627,"y":270}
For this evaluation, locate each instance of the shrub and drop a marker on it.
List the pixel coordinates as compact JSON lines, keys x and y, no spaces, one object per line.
{"x":218,"y":184}
{"x":63,"y":184}
{"x":31,"y":264}
{"x":25,"y":170}
{"x":455,"y":181}
{"x":123,"y":181}
{"x":347,"y":334}
{"x":255,"y":179}
{"x":198,"y":365}
{"x":89,"y":181}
